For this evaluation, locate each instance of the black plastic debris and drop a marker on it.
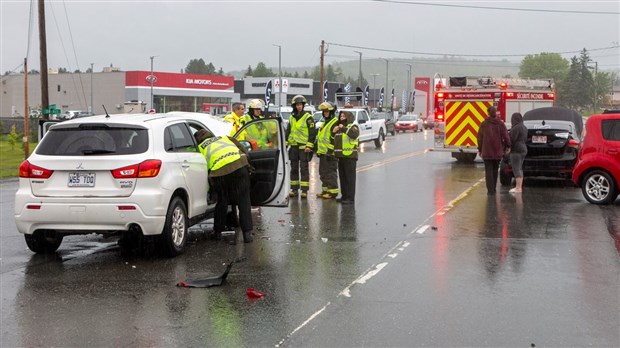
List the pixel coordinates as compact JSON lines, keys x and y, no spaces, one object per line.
{"x":206,"y":282}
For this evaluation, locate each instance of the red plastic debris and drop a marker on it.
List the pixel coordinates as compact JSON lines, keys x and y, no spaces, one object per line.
{"x":254,"y":293}
{"x":281,"y":220}
{"x":183,"y":284}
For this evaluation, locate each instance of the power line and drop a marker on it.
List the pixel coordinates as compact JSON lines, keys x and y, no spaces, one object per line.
{"x":497,"y":8}
{"x":462,"y":55}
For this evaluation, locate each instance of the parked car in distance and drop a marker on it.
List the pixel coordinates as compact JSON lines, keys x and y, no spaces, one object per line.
{"x":429,"y":121}
{"x":553,"y":139}
{"x":597,"y":170}
{"x":134,"y":175}
{"x":409,"y":122}
{"x":388,"y":118}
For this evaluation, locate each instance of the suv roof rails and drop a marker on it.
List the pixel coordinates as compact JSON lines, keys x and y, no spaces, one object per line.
{"x":611,"y":111}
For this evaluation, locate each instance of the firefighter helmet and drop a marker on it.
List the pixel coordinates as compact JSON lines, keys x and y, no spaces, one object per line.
{"x":298,"y":99}
{"x":326,"y":106}
{"x":256,"y":104}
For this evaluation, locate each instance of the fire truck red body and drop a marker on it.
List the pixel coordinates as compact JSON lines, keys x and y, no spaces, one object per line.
{"x":460,"y":105}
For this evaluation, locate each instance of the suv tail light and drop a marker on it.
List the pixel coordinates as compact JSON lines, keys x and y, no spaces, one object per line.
{"x":27,"y":170}
{"x":146,"y":169}
{"x":573,"y":143}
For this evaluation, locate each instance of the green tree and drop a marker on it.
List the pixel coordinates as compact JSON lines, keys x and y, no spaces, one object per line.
{"x":13,"y":137}
{"x":198,"y":66}
{"x":249,"y":72}
{"x":544,"y":65}
{"x":306,"y":75}
{"x":220,"y":72}
{"x":62,"y":70}
{"x":77,"y":71}
{"x":261,"y":70}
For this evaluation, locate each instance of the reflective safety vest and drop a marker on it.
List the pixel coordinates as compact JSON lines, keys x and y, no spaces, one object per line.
{"x":349,"y":146}
{"x":325,"y":145}
{"x":235,"y":120}
{"x":219,"y":151}
{"x":299,"y":131}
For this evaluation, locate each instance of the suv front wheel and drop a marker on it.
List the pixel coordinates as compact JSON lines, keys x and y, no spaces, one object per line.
{"x":599,"y":188}
{"x":174,"y":235}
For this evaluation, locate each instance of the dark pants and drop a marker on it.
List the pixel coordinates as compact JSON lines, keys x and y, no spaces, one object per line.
{"x":300,"y":172}
{"x":233,"y":188}
{"x":347,"y":173}
{"x":491,"y":172}
{"x":328,"y":168}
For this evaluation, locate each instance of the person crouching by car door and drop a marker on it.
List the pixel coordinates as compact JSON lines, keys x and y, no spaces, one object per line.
{"x":328,"y":163}
{"x":346,"y":136}
{"x":228,"y":171}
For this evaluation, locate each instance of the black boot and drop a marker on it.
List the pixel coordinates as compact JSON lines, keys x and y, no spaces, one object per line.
{"x":247,"y":237}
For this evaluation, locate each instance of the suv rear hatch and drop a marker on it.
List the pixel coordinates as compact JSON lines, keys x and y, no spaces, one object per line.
{"x":89,"y":160}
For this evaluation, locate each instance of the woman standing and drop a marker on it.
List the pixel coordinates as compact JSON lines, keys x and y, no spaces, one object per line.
{"x":518,"y":135}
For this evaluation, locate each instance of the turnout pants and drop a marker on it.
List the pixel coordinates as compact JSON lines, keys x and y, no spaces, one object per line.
{"x":300,"y":173}
{"x":347,"y":173}
{"x":233,"y":188}
{"x":328,"y":173}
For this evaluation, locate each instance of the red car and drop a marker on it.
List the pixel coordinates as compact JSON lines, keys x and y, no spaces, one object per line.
{"x":597,"y":170}
{"x":409,"y":122}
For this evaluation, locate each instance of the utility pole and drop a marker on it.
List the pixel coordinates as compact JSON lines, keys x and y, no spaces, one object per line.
{"x":26,"y":111}
{"x":45,"y":101}
{"x":151,"y":80}
{"x":387,"y":62}
{"x":279,"y":79}
{"x":595,"y":85}
{"x":360,"y":77}
{"x":92,"y":107}
{"x":322,"y":69}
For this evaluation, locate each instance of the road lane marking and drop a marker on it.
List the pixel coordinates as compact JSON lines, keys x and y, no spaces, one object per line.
{"x":401,"y":245}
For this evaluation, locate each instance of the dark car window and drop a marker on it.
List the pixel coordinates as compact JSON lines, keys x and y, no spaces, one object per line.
{"x":611,"y":130}
{"x":178,"y":138}
{"x":93,"y":140}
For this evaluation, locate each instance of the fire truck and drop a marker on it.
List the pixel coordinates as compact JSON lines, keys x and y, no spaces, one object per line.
{"x":460,"y":105}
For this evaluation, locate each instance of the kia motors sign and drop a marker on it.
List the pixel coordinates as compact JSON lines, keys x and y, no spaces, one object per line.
{"x":176,"y":80}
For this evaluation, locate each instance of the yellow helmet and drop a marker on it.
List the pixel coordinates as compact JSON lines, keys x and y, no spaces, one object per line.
{"x":256,"y":104}
{"x":326,"y":106}
{"x":298,"y":99}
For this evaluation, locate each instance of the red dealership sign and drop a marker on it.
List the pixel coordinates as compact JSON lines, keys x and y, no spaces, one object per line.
{"x":174,"y":80}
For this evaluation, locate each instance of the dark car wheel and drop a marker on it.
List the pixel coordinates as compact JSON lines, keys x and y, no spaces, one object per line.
{"x":43,"y":241}
{"x":505,"y":178}
{"x":380,"y":139}
{"x":599,"y":188}
{"x":174,"y":235}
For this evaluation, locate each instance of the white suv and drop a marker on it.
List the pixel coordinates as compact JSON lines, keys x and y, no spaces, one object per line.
{"x":125,"y":173}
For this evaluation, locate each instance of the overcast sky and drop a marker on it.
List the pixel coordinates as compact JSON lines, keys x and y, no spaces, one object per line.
{"x":234,"y":34}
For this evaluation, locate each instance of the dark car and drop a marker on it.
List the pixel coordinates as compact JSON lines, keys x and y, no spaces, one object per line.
{"x":429,"y":121}
{"x":597,"y":171}
{"x":553,"y":139}
{"x":388,"y":118}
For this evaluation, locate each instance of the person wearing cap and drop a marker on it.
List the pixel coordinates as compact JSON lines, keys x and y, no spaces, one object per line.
{"x":300,"y":136}
{"x":346,"y":135}
{"x":235,"y":116}
{"x":328,"y":163}
{"x":228,"y":166}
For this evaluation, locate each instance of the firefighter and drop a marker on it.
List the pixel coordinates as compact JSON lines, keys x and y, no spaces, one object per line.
{"x":235,"y":116}
{"x":255,"y":111}
{"x":328,"y":163}
{"x":300,"y":136}
{"x":346,"y":135}
{"x":228,"y":167}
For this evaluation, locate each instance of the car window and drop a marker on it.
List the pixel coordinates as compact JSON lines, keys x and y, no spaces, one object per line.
{"x":362,"y":116}
{"x":94,"y":139}
{"x":262,"y":134}
{"x":611,"y":130}
{"x":178,"y":138}
{"x":406,"y":118}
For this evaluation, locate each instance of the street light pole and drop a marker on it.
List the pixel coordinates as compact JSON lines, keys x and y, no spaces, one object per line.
{"x":360,"y":76}
{"x":151,"y":78}
{"x":387,"y":62}
{"x":595,"y":85}
{"x":279,"y":78}
{"x":92,"y":108}
{"x":408,"y":90}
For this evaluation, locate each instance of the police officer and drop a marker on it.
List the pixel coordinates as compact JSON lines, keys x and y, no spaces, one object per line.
{"x":346,"y":136}
{"x":228,"y":171}
{"x":300,"y":136}
{"x":328,"y":164}
{"x":235,"y":116}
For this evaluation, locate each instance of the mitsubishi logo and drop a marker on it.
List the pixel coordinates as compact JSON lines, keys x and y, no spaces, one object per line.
{"x":79,"y":167}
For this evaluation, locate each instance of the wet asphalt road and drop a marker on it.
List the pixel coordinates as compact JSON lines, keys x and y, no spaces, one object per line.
{"x":424,"y":258}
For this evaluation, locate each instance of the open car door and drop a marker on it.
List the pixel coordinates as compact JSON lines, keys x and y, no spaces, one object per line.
{"x":264,"y":139}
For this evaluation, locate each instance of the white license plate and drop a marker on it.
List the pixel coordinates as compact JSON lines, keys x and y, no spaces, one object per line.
{"x":81,"y":180}
{"x":539,"y":139}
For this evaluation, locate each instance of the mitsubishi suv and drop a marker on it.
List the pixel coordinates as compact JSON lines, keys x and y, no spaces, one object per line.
{"x":112,"y":174}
